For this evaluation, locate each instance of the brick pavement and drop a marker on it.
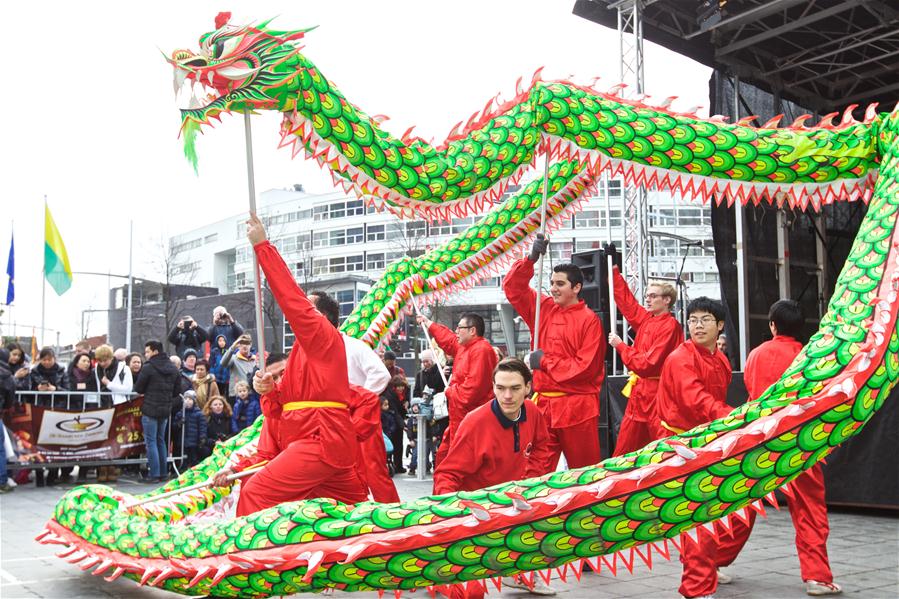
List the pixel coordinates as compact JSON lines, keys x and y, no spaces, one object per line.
{"x":864,"y":551}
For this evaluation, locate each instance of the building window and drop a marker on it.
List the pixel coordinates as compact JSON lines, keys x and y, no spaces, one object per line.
{"x":211,"y":238}
{"x":337,"y":210}
{"x":304,"y":241}
{"x":355,"y":235}
{"x":586,"y":219}
{"x":299,"y":271}
{"x":375,"y":261}
{"x":346,"y":303}
{"x":689,"y":217}
{"x":320,"y":213}
{"x":355,"y":208}
{"x":337,"y":237}
{"x":355,"y":263}
{"x":374,"y":232}
{"x":491,"y":282}
{"x":320,"y":239}
{"x":663,"y":217}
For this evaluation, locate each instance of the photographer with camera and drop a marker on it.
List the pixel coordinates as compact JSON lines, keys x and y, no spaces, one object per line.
{"x":187,"y":334}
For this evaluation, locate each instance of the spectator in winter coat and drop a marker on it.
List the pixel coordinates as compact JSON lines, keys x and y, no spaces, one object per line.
{"x":389,"y":420}
{"x":83,"y":380}
{"x":187,"y":334}
{"x":135,"y":362}
{"x":184,"y":381}
{"x":193,"y":423}
{"x":204,"y":384}
{"x":240,"y":363}
{"x":221,"y":374}
{"x":114,"y":376}
{"x":18,"y":365}
{"x":429,"y":375}
{"x":189,"y":362}
{"x":246,"y":408}
{"x":218,"y":422}
{"x":7,"y":399}
{"x":225,"y":325}
{"x":397,"y":394}
{"x":159,"y":381}
{"x":390,"y":363}
{"x":48,"y":375}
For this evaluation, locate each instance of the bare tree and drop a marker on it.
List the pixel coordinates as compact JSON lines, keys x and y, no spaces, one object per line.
{"x":171,"y":270}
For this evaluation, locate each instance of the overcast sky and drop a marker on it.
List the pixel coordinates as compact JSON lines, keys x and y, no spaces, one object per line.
{"x":90,"y":118}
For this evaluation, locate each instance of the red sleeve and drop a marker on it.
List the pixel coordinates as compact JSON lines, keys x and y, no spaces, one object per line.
{"x":625,"y":301}
{"x":266,"y":448}
{"x":648,"y":362}
{"x":445,"y":338}
{"x":694,"y":402}
{"x":463,"y":460}
{"x":541,"y":454}
{"x":750,"y":375}
{"x":591,"y":348}
{"x":517,"y":287}
{"x":365,"y":412}
{"x":309,"y":325}
{"x":477,"y":385}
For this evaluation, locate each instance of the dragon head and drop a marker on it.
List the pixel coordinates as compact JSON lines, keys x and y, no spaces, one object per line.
{"x":240,"y":68}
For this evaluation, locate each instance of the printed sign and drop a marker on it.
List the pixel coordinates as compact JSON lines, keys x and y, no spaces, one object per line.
{"x":74,"y":428}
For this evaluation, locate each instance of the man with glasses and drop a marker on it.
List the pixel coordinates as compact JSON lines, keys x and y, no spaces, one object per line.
{"x":658,"y":334}
{"x":569,"y":365}
{"x":471,"y":385}
{"x":693,"y":391}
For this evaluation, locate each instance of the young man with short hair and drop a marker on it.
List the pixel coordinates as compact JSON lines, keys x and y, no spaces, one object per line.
{"x":160,"y":382}
{"x":473,"y":361}
{"x":764,"y":366}
{"x":501,"y":441}
{"x":569,"y":365}
{"x":693,"y":391}
{"x":658,"y":334}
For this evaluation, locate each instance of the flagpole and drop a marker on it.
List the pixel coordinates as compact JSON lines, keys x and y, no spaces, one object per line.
{"x":257,"y":275}
{"x":130,"y":285}
{"x":44,"y":280}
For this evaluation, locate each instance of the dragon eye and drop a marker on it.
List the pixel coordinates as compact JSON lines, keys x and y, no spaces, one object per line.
{"x":218,"y":49}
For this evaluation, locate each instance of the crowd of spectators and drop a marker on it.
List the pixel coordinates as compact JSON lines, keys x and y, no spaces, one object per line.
{"x":194,"y":398}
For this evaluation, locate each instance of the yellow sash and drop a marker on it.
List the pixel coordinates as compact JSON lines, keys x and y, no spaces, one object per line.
{"x":673,"y":429}
{"x":306,"y":405}
{"x":547,"y":394}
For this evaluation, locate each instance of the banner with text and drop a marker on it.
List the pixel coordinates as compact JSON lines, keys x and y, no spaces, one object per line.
{"x":45,"y":435}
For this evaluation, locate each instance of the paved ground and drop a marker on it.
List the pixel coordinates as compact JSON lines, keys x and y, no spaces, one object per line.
{"x":864,"y":550}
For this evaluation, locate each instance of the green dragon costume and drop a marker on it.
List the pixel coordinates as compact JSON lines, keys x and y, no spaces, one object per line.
{"x":625,"y":507}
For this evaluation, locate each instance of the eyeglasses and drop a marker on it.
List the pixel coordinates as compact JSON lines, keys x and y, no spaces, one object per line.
{"x":464,"y":326}
{"x":705,"y":320}
{"x":652,"y":296}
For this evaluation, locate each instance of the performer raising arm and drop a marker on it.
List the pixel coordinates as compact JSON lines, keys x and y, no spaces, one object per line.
{"x":658,"y":334}
{"x":569,"y":366}
{"x":315,"y":435}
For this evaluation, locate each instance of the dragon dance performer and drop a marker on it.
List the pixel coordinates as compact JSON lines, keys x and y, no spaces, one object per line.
{"x":368,"y":377}
{"x":308,"y":406}
{"x":500,"y":441}
{"x":693,"y":391}
{"x":764,"y":367}
{"x":473,"y":361}
{"x":569,"y":367}
{"x":658,"y":334}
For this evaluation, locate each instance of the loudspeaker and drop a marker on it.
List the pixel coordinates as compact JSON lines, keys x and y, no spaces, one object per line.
{"x":595,"y":292}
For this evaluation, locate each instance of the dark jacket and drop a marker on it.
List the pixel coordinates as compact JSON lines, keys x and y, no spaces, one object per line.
{"x":7,"y":383}
{"x":428,"y":378}
{"x":218,"y":428}
{"x":55,"y":375}
{"x":389,"y":422}
{"x":187,"y":338}
{"x":91,"y":385}
{"x":194,"y":425}
{"x":221,"y":373}
{"x":245,"y":413}
{"x":398,"y":402}
{"x":229,"y":331}
{"x":159,"y":381}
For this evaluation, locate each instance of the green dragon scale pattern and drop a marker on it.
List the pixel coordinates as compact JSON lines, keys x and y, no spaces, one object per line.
{"x":625,"y":507}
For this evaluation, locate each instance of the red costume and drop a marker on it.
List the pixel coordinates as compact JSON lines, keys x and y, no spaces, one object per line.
{"x":693,"y":391}
{"x":490,"y":449}
{"x":657,"y":336}
{"x":310,"y":440}
{"x":764,"y":366}
{"x":570,"y":376}
{"x":471,"y":385}
{"x":371,"y":465}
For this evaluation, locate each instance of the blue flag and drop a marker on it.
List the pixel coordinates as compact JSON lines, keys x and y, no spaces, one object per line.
{"x":11,"y":271}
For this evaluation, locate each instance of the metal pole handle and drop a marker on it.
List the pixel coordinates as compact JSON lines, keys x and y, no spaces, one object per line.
{"x":428,"y":339}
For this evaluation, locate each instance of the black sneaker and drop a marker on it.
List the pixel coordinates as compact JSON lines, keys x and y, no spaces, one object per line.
{"x":6,"y":488}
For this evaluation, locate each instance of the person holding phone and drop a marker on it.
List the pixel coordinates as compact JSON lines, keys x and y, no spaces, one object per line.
{"x":187,"y":334}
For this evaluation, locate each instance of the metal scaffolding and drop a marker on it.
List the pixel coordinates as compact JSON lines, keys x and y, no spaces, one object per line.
{"x":635,"y":253}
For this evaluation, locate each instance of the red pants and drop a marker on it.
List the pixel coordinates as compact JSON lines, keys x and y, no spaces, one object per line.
{"x":472,"y":590}
{"x":634,"y":435}
{"x":809,"y":515}
{"x":298,"y":473}
{"x":374,"y":460}
{"x":579,"y":443}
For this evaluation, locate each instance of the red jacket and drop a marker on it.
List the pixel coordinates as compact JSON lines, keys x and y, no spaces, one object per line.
{"x":316,"y":372}
{"x":472,"y":382}
{"x":766,"y":363}
{"x":371,"y":465}
{"x":693,"y":388}
{"x":657,"y":336}
{"x":574,"y":349}
{"x":484,"y":450}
